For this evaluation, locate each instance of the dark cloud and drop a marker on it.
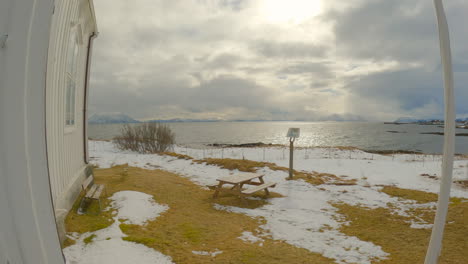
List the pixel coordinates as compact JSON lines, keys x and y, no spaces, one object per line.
{"x":399,"y":30}
{"x":411,"y":89}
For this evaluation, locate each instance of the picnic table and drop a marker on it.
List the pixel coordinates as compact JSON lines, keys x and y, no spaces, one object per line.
{"x":238,"y":181}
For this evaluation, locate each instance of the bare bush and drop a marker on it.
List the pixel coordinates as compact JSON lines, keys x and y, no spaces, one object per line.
{"x":145,"y":138}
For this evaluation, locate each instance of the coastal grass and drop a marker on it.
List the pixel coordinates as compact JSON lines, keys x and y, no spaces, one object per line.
{"x":244,"y":165}
{"x":407,"y":245}
{"x":228,"y":199}
{"x":192,"y":223}
{"x":89,"y":239}
{"x":318,"y":178}
{"x":92,"y":219}
{"x":176,"y":155}
{"x":240,"y":164}
{"x":408,"y":194}
{"x":420,"y":197}
{"x":462,"y":183}
{"x":68,"y":242}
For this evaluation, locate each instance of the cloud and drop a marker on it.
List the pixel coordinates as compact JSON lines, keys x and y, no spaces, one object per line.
{"x":272,"y":49}
{"x":227,"y":59}
{"x":403,"y":30}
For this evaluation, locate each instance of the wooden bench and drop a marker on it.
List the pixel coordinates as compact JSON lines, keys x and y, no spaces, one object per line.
{"x":91,"y":190}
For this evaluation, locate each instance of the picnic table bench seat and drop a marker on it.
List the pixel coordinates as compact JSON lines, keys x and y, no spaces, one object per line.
{"x":257,"y":188}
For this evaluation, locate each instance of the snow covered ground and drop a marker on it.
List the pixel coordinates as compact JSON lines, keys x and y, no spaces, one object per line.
{"x":107,"y":245}
{"x":305,"y":217}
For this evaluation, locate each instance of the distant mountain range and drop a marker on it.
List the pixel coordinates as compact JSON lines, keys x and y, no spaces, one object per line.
{"x":413,"y":120}
{"x":120,"y":118}
{"x":403,"y":120}
{"x":179,"y":120}
{"x":117,"y":117}
{"x":111,"y":118}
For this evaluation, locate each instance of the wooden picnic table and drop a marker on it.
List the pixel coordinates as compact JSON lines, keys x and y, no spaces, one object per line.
{"x":239,"y":180}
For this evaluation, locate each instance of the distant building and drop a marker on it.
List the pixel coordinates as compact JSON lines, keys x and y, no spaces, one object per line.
{"x":72,"y":30}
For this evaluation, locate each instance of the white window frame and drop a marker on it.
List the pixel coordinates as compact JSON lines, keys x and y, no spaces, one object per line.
{"x":71,"y":77}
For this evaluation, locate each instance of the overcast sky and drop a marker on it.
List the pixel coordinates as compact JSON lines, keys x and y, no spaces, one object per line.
{"x":275,"y":59}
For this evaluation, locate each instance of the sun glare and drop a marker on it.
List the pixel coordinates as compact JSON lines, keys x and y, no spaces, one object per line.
{"x":290,"y":11}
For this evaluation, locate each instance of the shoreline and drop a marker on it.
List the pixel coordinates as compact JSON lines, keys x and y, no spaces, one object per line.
{"x":371,"y":137}
{"x":384,"y":152}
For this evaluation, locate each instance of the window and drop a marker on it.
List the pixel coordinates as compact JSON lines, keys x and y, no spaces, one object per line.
{"x":71,"y":74}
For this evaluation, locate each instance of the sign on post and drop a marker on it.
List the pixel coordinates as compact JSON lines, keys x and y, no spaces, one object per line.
{"x":293,"y":133}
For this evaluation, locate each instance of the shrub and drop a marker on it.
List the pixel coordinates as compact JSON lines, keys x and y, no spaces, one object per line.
{"x":145,"y":138}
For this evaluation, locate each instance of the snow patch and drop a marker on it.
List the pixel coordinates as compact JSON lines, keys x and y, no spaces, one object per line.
{"x":108,"y":247}
{"x":249,"y":237}
{"x":206,"y":253}
{"x":113,"y":251}
{"x":136,"y":207}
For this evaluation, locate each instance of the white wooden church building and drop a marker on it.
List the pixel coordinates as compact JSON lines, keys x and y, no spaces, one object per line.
{"x":72,"y":31}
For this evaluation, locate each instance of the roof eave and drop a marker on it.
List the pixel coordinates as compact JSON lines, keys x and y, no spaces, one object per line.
{"x":93,"y":15}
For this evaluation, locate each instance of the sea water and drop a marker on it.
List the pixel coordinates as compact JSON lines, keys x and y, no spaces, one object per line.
{"x":364,"y":135}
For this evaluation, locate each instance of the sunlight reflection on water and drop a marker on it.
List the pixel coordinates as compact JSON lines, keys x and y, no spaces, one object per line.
{"x":357,"y":134}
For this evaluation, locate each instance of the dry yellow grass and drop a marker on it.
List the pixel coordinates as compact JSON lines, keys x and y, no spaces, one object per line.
{"x":407,"y":245}
{"x":240,"y":164}
{"x":228,"y":199}
{"x":418,"y":196}
{"x":192,"y":223}
{"x":91,"y":221}
{"x":89,"y":239}
{"x":415,"y":195}
{"x":317,"y":178}
{"x":462,"y":183}
{"x":314,"y":178}
{"x":68,"y":242}
{"x":176,"y":155}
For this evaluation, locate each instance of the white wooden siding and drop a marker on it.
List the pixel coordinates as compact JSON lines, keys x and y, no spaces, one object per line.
{"x":65,"y":144}
{"x":28,"y":233}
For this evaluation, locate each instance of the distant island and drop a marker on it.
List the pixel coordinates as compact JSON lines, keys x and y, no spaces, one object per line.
{"x":461,"y":122}
{"x":180,"y":120}
{"x":111,"y":118}
{"x":121,"y":118}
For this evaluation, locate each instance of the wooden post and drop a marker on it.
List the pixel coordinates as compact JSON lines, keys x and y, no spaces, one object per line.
{"x":291,"y":157}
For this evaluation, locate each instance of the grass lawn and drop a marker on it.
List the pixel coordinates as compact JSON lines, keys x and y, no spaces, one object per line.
{"x":192,"y":224}
{"x":408,"y":245}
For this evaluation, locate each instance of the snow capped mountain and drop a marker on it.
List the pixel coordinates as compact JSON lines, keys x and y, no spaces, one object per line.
{"x":404,"y":120}
{"x":407,"y":120}
{"x":111,"y":118}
